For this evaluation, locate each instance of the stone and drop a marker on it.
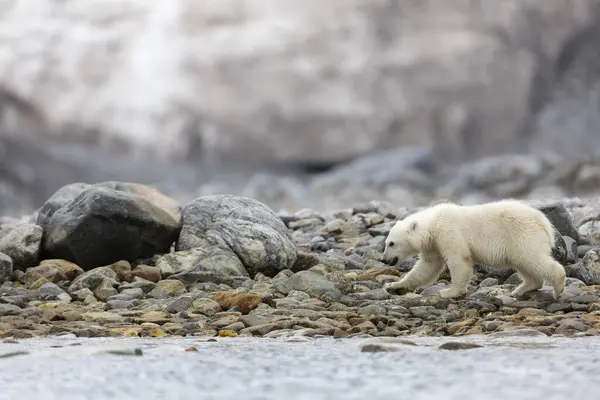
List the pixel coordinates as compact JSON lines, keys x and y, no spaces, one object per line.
{"x":182,"y":303}
{"x":560,"y":251}
{"x":67,"y":193}
{"x":154,"y":317}
{"x":242,"y":227}
{"x":245,"y":301}
{"x":130,"y":293}
{"x":101,"y":226}
{"x":167,"y":288}
{"x":105,"y":290}
{"x":385,"y":345}
{"x":140,"y":283}
{"x":309,"y":282}
{"x":6,"y":268}
{"x":587,"y":269}
{"x":123,"y":270}
{"x":23,"y":245}
{"x":81,"y":294}
{"x":46,"y":271}
{"x":93,"y":279}
{"x":114,"y":304}
{"x":566,"y":326}
{"x":305,"y":260}
{"x":69,"y":269}
{"x":50,"y":292}
{"x":590,"y":232}
{"x":561,"y":219}
{"x":206,"y":307}
{"x":199,"y":265}
{"x":572,"y":252}
{"x":152,"y":274}
{"x":458,"y":346}
{"x":102,"y":317}
{"x":9,"y":309}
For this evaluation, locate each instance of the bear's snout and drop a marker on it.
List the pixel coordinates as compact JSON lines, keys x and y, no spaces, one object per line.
{"x":389,"y":260}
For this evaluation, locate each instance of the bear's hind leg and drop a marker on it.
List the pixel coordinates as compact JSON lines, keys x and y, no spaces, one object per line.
{"x":424,"y":273}
{"x":530,"y":283}
{"x":535,"y":272}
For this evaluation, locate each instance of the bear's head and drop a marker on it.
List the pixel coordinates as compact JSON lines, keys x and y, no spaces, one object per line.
{"x":403,"y":241}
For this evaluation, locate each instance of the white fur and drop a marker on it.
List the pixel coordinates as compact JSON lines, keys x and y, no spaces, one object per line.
{"x":505,"y":233}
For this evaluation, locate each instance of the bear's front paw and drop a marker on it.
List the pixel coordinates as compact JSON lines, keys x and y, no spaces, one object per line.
{"x":398,"y":288}
{"x":450,"y":293}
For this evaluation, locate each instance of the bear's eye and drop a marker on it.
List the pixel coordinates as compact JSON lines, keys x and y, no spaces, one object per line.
{"x":391,"y":244}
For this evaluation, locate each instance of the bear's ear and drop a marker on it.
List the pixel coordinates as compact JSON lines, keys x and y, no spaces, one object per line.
{"x":412,"y":226}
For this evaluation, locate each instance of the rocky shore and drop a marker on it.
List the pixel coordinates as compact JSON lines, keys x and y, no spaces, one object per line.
{"x":124,"y":259}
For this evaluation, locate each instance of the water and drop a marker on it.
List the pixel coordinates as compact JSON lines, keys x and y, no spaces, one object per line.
{"x":245,"y":368}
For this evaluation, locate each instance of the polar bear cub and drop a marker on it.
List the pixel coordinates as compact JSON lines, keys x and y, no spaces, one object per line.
{"x":505,"y":233}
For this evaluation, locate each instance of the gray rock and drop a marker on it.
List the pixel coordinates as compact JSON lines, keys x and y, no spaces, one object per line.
{"x":22,"y":244}
{"x":139,"y":283}
{"x":115,"y":304}
{"x":101,"y":226}
{"x":239,"y":225}
{"x":81,"y":294}
{"x":206,"y":306}
{"x":560,"y":218}
{"x":488,"y":282}
{"x":167,"y":288}
{"x":9,"y":309}
{"x":59,"y":199}
{"x":309,"y":282}
{"x":19,"y":301}
{"x":129,"y":294}
{"x":590,"y":231}
{"x":180,"y":304}
{"x":66,"y":194}
{"x":372,"y":309}
{"x":6,"y":268}
{"x":105,"y":290}
{"x":501,"y":274}
{"x":198,"y":265}
{"x":560,"y":251}
{"x":572,"y":253}
{"x":50,"y":291}
{"x":93,"y":279}
{"x":584,"y":248}
{"x":588,"y":269}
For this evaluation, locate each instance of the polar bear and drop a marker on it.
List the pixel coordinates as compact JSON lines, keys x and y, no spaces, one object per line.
{"x":504,"y":233}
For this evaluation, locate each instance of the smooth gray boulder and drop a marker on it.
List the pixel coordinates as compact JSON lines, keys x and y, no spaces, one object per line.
{"x":242,"y":226}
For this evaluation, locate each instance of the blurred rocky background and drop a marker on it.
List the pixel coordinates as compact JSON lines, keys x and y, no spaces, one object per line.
{"x":301,"y":104}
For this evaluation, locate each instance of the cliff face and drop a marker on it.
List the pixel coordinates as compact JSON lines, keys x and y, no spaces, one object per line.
{"x":303,"y":82}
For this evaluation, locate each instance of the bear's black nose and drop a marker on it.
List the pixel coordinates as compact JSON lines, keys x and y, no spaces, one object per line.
{"x":391,"y":261}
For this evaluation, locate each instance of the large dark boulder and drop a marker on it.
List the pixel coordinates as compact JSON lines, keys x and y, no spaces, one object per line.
{"x":560,"y":218}
{"x":100,"y":226}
